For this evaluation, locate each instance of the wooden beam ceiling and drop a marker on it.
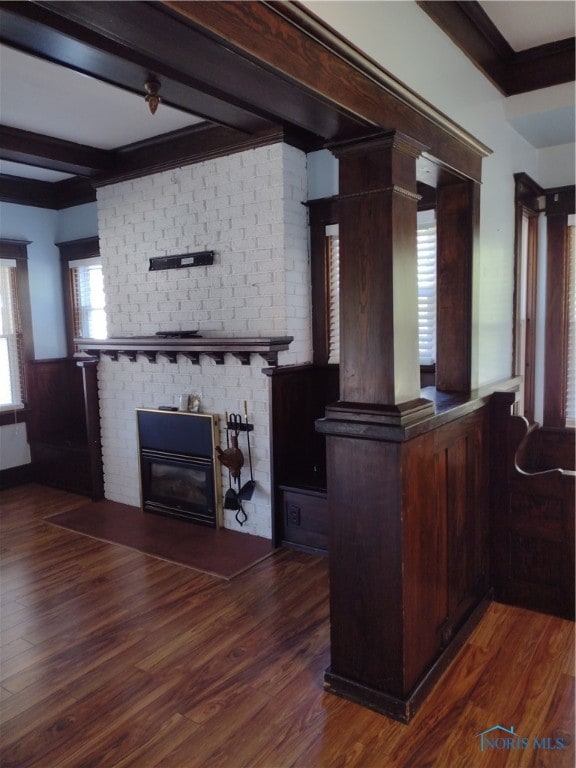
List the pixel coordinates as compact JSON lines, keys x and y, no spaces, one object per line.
{"x":215,"y":60}
{"x":471,"y":29}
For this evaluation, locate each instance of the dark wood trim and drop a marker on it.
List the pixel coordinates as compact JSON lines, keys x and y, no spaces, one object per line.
{"x":71,"y":192}
{"x":556,"y":344}
{"x":298,"y":395}
{"x":323,"y":212}
{"x":560,"y":201}
{"x":541,"y":67}
{"x":45,"y":194}
{"x":472,"y":30}
{"x":458,"y":220}
{"x":83,"y":248}
{"x":322,"y":63}
{"x":92,"y":420}
{"x":21,"y":146}
{"x":14,"y":249}
{"x":528,"y":197}
{"x":216,"y":61}
{"x":187,"y":146}
{"x":14,"y":416}
{"x":532,"y":515}
{"x":15,"y":476}
{"x":122,"y":44}
{"x":150,"y":346}
{"x":528,"y":192}
{"x":415,"y":533}
{"x":21,"y":191}
{"x":171,"y":150}
{"x":399,"y":708}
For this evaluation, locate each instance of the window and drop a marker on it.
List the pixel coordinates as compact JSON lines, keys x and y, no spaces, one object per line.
{"x":88,"y":302}
{"x":333,"y":276}
{"x":12,"y":378}
{"x":83,"y":287}
{"x":16,"y":347}
{"x":426,"y":245}
{"x":528,"y":202}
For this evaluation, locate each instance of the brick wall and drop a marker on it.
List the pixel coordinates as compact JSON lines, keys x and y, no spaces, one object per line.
{"x":247,"y":208}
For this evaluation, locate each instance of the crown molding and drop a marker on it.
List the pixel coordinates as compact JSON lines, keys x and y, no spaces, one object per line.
{"x":172,"y":150}
{"x":471,"y":29}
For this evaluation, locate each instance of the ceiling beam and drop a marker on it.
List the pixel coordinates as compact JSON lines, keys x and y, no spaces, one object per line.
{"x":216,"y":59}
{"x":262,"y":63}
{"x":20,"y":146}
{"x":171,"y":150}
{"x":46,"y":194}
{"x":90,"y":46}
{"x":471,"y":29}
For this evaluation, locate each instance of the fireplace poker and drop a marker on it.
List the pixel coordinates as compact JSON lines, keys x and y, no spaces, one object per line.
{"x":248,"y":488}
{"x":230,"y":497}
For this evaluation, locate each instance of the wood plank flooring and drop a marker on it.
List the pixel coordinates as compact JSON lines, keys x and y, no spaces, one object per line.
{"x":111,"y":658}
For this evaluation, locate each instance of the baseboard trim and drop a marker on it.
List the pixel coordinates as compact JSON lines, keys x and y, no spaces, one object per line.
{"x":15,"y":476}
{"x":400,"y":709}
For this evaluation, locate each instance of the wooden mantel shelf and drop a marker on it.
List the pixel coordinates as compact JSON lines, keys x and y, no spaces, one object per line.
{"x":191,"y":348}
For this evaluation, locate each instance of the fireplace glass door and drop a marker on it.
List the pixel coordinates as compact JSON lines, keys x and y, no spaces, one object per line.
{"x":179,"y":486}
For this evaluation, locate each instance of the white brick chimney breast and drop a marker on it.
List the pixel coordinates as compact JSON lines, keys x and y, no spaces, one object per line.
{"x":247,"y":208}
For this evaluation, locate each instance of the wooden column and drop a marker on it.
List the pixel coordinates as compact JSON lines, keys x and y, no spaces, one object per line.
{"x":379,"y":366}
{"x":406,"y":488}
{"x":92,"y":415}
{"x":458,"y":217}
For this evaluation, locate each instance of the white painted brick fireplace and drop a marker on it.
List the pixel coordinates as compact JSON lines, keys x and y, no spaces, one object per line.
{"x":247,"y":208}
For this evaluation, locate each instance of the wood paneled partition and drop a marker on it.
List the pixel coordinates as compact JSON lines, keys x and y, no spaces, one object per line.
{"x":408,"y":549}
{"x":532,"y":524}
{"x":63,"y":426}
{"x":407,"y":470}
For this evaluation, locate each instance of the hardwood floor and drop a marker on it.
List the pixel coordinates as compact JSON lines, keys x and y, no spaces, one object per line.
{"x":112,"y":658}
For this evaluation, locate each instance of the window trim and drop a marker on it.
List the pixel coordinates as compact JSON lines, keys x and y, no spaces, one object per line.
{"x":527,"y":199}
{"x":73,"y":250}
{"x":323,"y":212}
{"x":559,"y":205}
{"x":18,"y":251}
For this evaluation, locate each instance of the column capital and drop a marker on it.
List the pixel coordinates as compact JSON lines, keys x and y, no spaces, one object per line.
{"x":377,"y":142}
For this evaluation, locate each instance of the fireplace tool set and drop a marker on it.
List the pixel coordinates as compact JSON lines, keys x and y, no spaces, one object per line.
{"x":233,"y":459}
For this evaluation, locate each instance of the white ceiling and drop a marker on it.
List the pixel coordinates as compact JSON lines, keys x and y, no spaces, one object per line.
{"x":38,"y":96}
{"x":528,"y":23}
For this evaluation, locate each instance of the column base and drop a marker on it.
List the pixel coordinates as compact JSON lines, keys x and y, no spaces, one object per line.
{"x":404,"y":709}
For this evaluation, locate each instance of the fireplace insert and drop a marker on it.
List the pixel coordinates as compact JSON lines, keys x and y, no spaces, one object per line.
{"x":177,"y":466}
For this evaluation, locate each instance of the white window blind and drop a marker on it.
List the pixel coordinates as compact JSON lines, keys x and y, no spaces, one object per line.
{"x":333,"y":256}
{"x":88,"y":300}
{"x":11,"y":365}
{"x":426,"y":246}
{"x":571,"y":301}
